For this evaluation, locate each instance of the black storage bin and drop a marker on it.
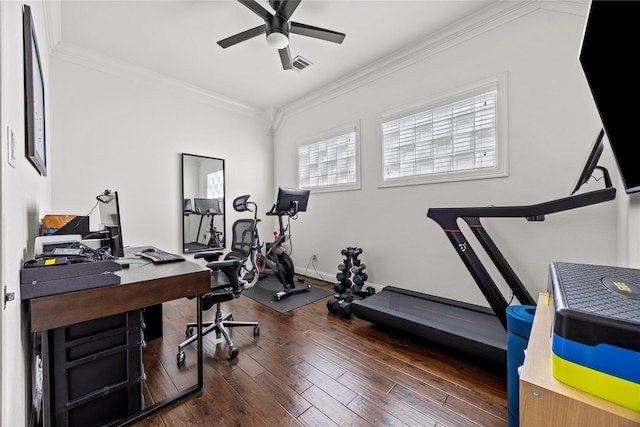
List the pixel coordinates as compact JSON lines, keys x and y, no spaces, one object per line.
{"x":96,"y":371}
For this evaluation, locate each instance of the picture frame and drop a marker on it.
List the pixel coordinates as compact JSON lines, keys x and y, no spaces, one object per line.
{"x":35,"y":134}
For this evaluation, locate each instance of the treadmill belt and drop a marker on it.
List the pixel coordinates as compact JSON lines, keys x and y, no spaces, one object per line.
{"x":465,"y":327}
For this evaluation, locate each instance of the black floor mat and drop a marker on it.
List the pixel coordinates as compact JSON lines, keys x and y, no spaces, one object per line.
{"x":267,"y":286}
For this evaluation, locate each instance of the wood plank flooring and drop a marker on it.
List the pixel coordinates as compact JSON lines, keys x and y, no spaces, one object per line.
{"x":311,"y":368}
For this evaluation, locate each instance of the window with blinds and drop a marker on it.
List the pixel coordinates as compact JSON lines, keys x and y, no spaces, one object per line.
{"x":448,"y":139}
{"x":330,"y":162}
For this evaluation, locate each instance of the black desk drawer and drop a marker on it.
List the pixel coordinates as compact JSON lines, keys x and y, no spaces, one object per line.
{"x":96,"y":370}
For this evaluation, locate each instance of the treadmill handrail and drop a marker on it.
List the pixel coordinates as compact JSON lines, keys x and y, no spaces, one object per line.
{"x":447,"y":217}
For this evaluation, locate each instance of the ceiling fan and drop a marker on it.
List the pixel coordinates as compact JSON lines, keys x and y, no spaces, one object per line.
{"x":277,"y":28}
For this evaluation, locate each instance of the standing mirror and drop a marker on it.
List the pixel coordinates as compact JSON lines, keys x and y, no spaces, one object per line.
{"x":203,"y":222}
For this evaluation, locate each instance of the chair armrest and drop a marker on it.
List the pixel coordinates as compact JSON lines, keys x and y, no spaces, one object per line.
{"x":208,"y":256}
{"x":224,"y":264}
{"x":230,"y":268}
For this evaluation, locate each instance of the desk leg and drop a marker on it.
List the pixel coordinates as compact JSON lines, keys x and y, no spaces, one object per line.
{"x":200,"y":350}
{"x":187,"y":392}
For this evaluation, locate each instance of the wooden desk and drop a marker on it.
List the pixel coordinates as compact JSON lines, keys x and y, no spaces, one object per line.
{"x":545,"y":401}
{"x":142,"y":285}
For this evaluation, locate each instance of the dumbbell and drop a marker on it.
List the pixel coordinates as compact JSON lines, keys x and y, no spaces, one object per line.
{"x":335,"y":304}
{"x":339,"y":288}
{"x":360,"y":278}
{"x":363,"y":293}
{"x":344,"y":307}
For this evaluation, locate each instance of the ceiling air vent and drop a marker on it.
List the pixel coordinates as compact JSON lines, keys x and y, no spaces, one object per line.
{"x":299,"y":63}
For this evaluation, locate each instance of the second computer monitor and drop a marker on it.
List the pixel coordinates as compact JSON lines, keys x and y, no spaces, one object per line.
{"x":110,"y":218}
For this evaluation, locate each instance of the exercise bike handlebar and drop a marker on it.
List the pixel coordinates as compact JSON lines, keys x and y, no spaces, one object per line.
{"x":293,"y":211}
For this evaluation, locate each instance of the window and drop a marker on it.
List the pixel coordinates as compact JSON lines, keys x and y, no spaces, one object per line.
{"x":330,"y":162}
{"x":215,"y":185}
{"x":451,"y":140}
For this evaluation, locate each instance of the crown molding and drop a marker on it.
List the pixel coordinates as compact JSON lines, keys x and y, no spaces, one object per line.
{"x":53,"y":22}
{"x":492,"y":17}
{"x":105,"y":64}
{"x":273,"y":118}
{"x":87,"y":58}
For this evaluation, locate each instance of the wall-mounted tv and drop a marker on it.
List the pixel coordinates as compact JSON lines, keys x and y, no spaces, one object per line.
{"x":608,"y":57}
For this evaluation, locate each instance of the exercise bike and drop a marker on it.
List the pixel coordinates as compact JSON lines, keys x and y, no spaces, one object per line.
{"x":275,"y":258}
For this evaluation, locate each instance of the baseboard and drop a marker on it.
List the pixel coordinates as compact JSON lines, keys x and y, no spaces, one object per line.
{"x":301,"y":278}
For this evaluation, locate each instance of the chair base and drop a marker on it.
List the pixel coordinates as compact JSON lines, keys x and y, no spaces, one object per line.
{"x":220,"y":327}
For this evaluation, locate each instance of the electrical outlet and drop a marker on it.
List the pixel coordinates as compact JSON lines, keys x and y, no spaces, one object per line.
{"x":314,"y":257}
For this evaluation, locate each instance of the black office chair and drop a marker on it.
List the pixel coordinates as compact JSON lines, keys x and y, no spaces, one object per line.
{"x":242,"y":247}
{"x":225,"y":286}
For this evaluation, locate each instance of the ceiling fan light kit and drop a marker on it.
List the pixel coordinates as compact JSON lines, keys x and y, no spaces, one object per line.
{"x":277,"y":40}
{"x":277,"y":28}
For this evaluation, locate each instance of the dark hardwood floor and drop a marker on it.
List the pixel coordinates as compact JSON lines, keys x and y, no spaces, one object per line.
{"x":311,"y":368}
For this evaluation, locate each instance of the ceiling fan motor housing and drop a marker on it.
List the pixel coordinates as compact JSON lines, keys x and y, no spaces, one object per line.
{"x":276,"y":24}
{"x":275,"y":4}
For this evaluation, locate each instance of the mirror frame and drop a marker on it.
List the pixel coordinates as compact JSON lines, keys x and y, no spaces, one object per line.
{"x":194,"y":169}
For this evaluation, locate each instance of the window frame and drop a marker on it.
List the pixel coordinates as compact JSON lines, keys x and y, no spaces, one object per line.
{"x":333,"y":133}
{"x":499,"y":84}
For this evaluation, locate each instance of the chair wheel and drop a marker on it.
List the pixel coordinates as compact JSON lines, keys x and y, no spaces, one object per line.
{"x":233,"y":353}
{"x":181,"y":357}
{"x":256,"y":330}
{"x":189,"y":331}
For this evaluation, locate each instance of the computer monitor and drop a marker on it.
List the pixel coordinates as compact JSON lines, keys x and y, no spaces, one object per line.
{"x":109,"y":207}
{"x":292,"y":200}
{"x":592,"y":163}
{"x":608,"y":57}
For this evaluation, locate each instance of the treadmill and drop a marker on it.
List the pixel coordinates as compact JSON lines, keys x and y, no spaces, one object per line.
{"x":470,"y":328}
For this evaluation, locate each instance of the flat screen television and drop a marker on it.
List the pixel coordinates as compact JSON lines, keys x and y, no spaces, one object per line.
{"x":608,"y":58}
{"x":109,"y":207}
{"x":292,"y":200}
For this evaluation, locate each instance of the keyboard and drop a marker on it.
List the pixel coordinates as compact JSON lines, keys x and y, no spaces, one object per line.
{"x":158,"y":257}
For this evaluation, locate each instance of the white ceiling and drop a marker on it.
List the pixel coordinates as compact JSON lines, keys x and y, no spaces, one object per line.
{"x":177,"y":39}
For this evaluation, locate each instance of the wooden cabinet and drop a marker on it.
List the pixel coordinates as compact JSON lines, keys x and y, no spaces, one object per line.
{"x":545,"y":401}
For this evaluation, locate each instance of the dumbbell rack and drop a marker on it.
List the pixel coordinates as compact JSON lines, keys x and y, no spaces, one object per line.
{"x":346,"y":290}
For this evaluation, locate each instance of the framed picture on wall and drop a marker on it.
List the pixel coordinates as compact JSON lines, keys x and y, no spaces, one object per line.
{"x":35,"y":136}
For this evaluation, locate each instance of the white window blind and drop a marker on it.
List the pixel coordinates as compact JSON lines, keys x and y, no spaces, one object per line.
{"x":330,"y":162}
{"x":455,"y":137}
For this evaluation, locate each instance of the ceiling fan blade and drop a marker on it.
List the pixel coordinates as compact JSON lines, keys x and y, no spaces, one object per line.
{"x":315,"y":32}
{"x":255,"y":7}
{"x":285,"y":58}
{"x":286,"y":8}
{"x":240,"y":37}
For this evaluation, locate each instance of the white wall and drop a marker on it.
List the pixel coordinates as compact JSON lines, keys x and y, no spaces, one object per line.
{"x":24,"y":198}
{"x":109,"y":129}
{"x":124,"y":132}
{"x":552,"y":122}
